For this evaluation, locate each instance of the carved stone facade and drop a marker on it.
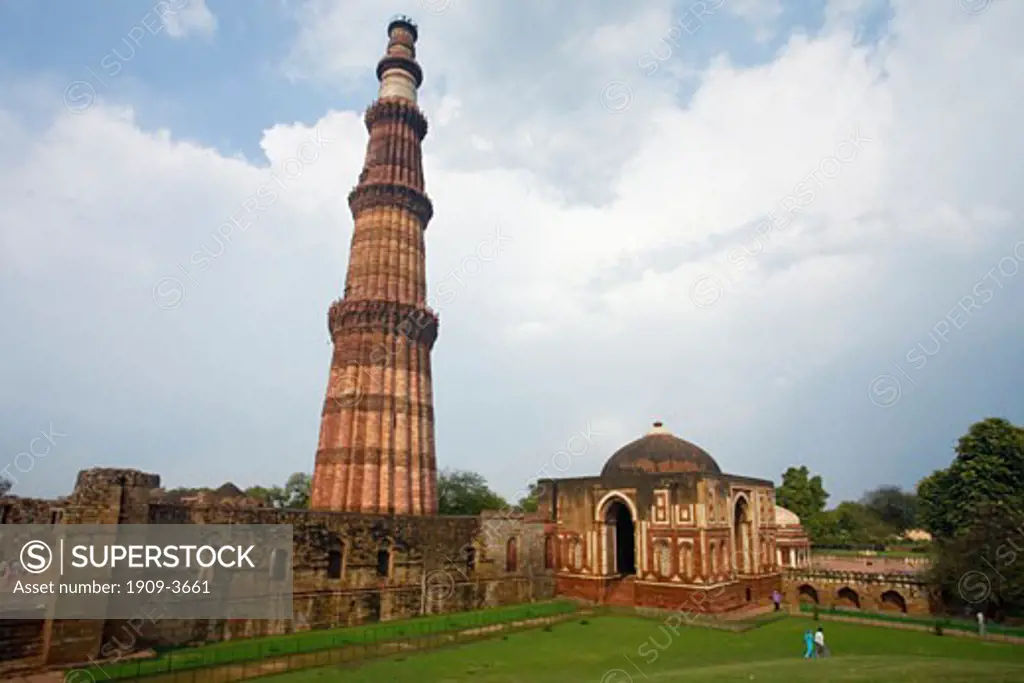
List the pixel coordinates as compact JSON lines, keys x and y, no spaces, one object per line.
{"x":433,"y":564}
{"x":663,"y":527}
{"x":376,"y":450}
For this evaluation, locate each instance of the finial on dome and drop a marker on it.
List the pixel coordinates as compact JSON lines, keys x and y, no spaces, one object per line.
{"x":658,"y":428}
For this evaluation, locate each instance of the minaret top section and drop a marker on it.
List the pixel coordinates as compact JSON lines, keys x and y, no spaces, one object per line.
{"x":399,"y":74}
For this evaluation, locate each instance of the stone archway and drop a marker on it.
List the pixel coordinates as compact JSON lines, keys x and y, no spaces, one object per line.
{"x":807,"y":593}
{"x":893,"y":602}
{"x":741,"y":541}
{"x":847,"y":597}
{"x":620,"y":535}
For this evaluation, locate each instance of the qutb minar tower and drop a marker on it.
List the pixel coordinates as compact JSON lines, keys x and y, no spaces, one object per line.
{"x":376,"y":450}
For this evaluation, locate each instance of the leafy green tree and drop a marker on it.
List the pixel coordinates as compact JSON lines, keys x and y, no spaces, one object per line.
{"x":295,"y":493}
{"x":298,"y":490}
{"x":465,"y":493}
{"x":528,"y":503}
{"x":5,"y":486}
{"x":982,"y":568}
{"x":988,"y":467}
{"x":861,"y":525}
{"x":272,"y":496}
{"x":973,"y":510}
{"x":801,"y":493}
{"x":893,"y":506}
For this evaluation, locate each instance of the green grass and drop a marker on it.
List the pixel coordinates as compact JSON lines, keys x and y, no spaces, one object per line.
{"x":256,"y":649}
{"x":637,"y":650}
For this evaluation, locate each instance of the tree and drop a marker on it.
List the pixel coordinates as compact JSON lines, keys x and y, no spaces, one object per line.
{"x":298,"y":490}
{"x":893,"y":506}
{"x":5,"y":486}
{"x":271,"y":497}
{"x":528,"y":503}
{"x":978,"y":569}
{"x":465,"y":493}
{"x":988,"y":468}
{"x":294,"y":495}
{"x":801,"y":493}
{"x":973,"y":511}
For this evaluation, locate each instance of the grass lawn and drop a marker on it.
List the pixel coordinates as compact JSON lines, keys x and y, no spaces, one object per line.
{"x":634,"y":650}
{"x":256,"y":649}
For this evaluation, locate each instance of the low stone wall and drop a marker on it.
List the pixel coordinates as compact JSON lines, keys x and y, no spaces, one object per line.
{"x":876,"y":592}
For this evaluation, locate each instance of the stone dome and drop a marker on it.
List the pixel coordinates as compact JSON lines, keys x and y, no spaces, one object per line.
{"x":660,"y":451}
{"x":784,"y":517}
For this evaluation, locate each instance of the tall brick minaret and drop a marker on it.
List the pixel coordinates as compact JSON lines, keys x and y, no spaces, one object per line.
{"x":376,"y":451}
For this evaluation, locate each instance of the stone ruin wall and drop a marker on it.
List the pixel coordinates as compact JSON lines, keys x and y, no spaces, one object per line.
{"x":856,"y":590}
{"x":430,"y":570}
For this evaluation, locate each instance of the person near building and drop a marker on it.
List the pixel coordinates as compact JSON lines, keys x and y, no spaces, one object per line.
{"x":821,"y":650}
{"x":808,"y":645}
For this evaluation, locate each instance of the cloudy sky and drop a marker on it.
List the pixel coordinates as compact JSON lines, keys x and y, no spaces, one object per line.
{"x":791,"y":231}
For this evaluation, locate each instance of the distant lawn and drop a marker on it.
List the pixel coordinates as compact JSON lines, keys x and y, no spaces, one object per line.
{"x":626,"y":650}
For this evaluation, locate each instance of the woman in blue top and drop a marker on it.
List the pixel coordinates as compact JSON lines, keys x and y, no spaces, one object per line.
{"x":809,"y":643}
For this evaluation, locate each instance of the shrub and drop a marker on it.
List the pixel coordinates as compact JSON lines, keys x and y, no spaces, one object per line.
{"x":814,"y":612}
{"x":938,"y":628}
{"x":584,"y":622}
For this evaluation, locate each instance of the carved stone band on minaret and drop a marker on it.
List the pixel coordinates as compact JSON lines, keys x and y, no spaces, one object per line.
{"x":399,"y":111}
{"x":415,"y":323}
{"x":365,"y":197}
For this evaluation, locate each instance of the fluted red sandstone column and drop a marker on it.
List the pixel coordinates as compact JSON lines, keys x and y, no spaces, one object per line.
{"x":376,"y":450}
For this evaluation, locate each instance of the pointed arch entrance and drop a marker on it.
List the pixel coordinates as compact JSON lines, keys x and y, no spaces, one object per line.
{"x":620,"y":536}
{"x":742,"y":531}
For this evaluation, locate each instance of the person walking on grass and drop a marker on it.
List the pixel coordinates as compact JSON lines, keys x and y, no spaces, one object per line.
{"x":809,"y":645}
{"x":821,"y":650}
{"x":981,"y":624}
{"x":776,"y":600}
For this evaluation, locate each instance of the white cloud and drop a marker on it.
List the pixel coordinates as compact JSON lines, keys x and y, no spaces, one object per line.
{"x":613,"y":219}
{"x":194,"y":18}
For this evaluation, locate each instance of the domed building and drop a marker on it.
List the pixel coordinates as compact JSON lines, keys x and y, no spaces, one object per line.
{"x":662,"y":526}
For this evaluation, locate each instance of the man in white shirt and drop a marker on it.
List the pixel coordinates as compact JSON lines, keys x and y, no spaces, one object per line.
{"x":819,"y":643}
{"x":981,"y":624}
